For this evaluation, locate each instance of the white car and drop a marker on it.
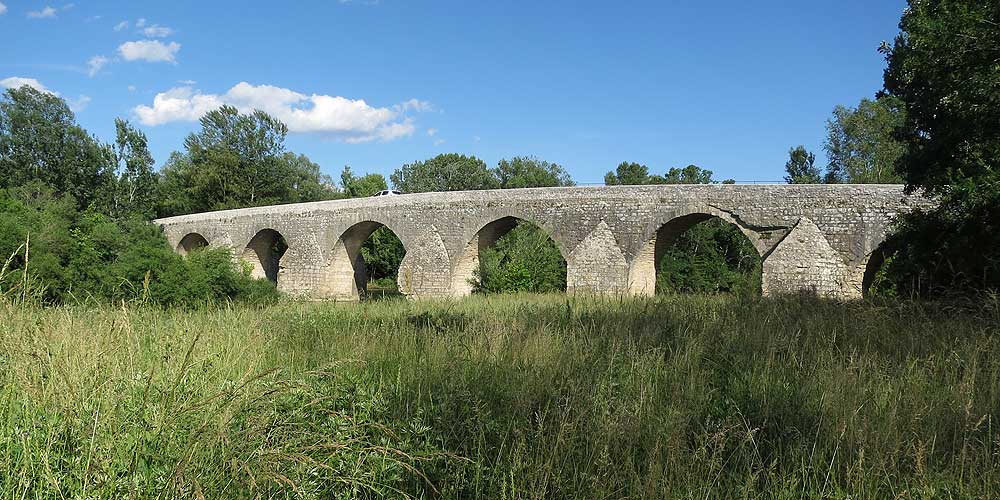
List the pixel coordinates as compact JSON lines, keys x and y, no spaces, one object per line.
{"x":388,"y":192}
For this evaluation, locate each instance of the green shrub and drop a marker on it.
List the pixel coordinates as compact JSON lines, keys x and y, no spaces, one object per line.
{"x":523,"y":260}
{"x":64,"y":255}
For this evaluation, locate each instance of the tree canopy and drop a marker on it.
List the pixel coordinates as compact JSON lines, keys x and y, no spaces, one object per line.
{"x":801,"y":167}
{"x":444,"y":172}
{"x":860,"y":143}
{"x":238,"y":160}
{"x":943,"y":70}
{"x":528,"y":171}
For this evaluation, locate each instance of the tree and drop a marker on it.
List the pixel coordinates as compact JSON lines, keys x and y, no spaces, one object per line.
{"x":523,"y":260}
{"x":943,"y":68}
{"x":308,"y":182}
{"x":860,"y":143}
{"x":235,"y":161}
{"x":359,"y":187}
{"x":629,"y":174}
{"x":691,"y":174}
{"x":41,"y":144}
{"x":136,"y":182}
{"x":445,"y":172}
{"x":801,"y":167}
{"x":528,"y":171}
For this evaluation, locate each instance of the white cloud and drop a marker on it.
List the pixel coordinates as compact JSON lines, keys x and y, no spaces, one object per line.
{"x":415,"y":105}
{"x":349,"y":120}
{"x":95,"y":64}
{"x":149,"y":51}
{"x":439,"y":142}
{"x":131,"y":88}
{"x":14,"y":82}
{"x":157,"y":31}
{"x":68,"y":6}
{"x":140,"y":22}
{"x":187,"y":82}
{"x":78,"y":104}
{"x":432,"y":131}
{"x":122,"y":25}
{"x":47,"y":12}
{"x":476,"y":139}
{"x":3,"y":8}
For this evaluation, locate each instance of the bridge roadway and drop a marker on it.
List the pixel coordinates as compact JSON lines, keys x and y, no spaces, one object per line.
{"x":817,"y":239}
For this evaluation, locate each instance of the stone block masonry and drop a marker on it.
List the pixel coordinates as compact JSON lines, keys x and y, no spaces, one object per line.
{"x":815,"y":239}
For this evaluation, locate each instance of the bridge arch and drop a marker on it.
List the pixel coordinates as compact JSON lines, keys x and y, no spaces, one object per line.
{"x":468,"y":260}
{"x":665,"y":231}
{"x":263,"y":254}
{"x":873,"y":265}
{"x":191,"y":242}
{"x":346,"y":274}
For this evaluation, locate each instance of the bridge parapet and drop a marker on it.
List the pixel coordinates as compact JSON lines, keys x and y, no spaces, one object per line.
{"x":812,"y":238}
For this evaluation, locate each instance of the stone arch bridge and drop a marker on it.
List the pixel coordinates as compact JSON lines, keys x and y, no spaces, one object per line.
{"x":812,"y":238}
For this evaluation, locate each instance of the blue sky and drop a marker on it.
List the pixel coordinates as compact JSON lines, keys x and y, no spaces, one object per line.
{"x":728,"y":85}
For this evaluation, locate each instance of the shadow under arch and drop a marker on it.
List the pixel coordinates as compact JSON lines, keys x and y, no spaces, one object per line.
{"x":876,"y":260}
{"x":646,"y":266}
{"x":346,"y":276}
{"x":191,"y":242}
{"x":263,"y":253}
{"x":468,"y":262}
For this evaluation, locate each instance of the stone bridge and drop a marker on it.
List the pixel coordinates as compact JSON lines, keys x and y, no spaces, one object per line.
{"x":812,"y":238}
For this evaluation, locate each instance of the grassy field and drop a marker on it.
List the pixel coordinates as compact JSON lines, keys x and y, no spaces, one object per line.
{"x":502,"y":397}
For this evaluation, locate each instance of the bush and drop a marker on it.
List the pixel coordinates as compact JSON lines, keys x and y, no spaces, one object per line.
{"x":56,"y":254}
{"x":710,"y":257}
{"x":523,"y":260}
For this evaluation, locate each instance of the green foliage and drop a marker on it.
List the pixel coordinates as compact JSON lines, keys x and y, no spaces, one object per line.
{"x":40,"y":142}
{"x":710,"y":257}
{"x":801,"y":167}
{"x":360,"y":187}
{"x":135,"y":182}
{"x":691,"y":174}
{"x":528,"y":171}
{"x":383,"y":252}
{"x":523,"y":260}
{"x":629,"y":174}
{"x":943,"y":70}
{"x":444,"y":172}
{"x":67,"y":256}
{"x":238,"y":161}
{"x":502,"y":397}
{"x":950,"y":250}
{"x":860,"y":142}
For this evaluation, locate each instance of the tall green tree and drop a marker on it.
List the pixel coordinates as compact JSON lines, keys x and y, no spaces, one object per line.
{"x":528,"y":171}
{"x":40,"y":143}
{"x":943,"y":68}
{"x":801,"y":167}
{"x":861,"y":145}
{"x":444,"y":172}
{"x":135,"y":181}
{"x":307,"y":181}
{"x":235,"y":161}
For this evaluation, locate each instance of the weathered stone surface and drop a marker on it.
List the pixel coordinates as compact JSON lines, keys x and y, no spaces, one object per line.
{"x":812,"y":238}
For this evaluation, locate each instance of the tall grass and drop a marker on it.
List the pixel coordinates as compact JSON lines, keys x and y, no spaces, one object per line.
{"x":502,"y":397}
